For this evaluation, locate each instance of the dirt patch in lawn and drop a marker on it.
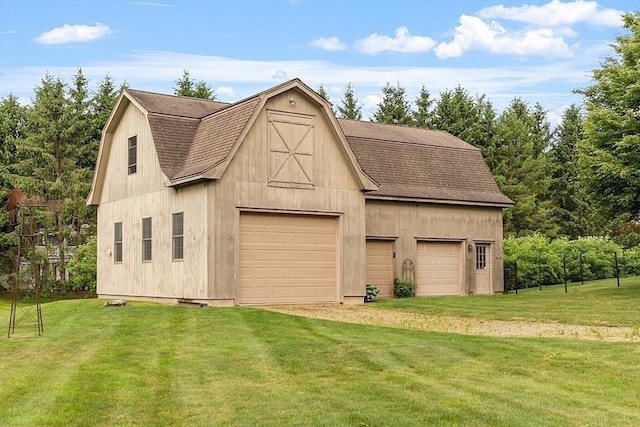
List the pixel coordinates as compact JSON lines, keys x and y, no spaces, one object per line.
{"x":366,"y":315}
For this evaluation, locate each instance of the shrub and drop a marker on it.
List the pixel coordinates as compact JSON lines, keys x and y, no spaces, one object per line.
{"x":403,"y":288}
{"x":83,"y":266}
{"x":372,"y":293}
{"x":540,"y":262}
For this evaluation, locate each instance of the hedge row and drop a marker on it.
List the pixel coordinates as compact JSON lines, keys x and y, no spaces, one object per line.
{"x":541,"y":262}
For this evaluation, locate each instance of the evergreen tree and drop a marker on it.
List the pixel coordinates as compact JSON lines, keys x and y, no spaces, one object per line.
{"x":520,"y":174}
{"x":186,"y":86}
{"x":470,"y":119}
{"x":101,"y":105}
{"x":394,"y":107}
{"x":349,"y":108}
{"x":323,"y":93}
{"x":610,"y":150}
{"x":423,"y":115}
{"x":571,"y":210}
{"x":12,"y":127}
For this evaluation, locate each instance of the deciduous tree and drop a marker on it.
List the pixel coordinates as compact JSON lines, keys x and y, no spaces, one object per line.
{"x":610,"y":150}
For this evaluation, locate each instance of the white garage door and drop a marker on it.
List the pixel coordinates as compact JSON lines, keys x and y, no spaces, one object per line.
{"x":439,"y":268}
{"x":380,"y":266}
{"x":287,"y":259}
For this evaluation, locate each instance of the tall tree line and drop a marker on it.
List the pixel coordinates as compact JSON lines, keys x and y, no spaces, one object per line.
{"x":48,"y":150}
{"x":580,"y":179}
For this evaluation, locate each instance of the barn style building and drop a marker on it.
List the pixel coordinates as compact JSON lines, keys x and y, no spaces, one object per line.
{"x":272,"y":200}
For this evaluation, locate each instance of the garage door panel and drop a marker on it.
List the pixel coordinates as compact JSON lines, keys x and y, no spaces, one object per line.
{"x":295,"y":255}
{"x":439,"y":268}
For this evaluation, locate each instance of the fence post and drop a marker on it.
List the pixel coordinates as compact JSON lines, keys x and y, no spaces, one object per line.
{"x":515,"y":265}
{"x":564,"y":268}
{"x":617,"y":269}
{"x":581,"y":270}
{"x":539,"y":275}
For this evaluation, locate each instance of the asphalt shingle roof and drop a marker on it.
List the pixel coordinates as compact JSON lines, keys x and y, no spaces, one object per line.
{"x":193,"y":135}
{"x":415,"y":163}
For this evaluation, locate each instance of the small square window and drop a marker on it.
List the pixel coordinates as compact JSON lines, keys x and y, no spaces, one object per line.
{"x":133,"y":155}
{"x":146,"y":239}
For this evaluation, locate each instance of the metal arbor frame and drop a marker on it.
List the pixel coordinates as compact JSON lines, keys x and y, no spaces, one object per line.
{"x":26,"y":243}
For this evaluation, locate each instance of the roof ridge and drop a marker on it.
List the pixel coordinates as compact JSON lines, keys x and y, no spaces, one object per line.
{"x":194,"y":98}
{"x":232,"y":105}
{"x":418,"y":144}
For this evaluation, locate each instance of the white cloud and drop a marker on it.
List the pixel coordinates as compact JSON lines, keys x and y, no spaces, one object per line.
{"x":556,"y":13}
{"x":73,"y":33}
{"x":328,"y":43}
{"x":157,"y":71}
{"x":475,"y":34}
{"x":225,"y":92}
{"x":7,"y":31}
{"x":403,"y":42}
{"x":280,"y":75}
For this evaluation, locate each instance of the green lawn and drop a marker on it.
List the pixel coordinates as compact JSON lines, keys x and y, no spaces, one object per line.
{"x":154,"y":365}
{"x":599,"y":302}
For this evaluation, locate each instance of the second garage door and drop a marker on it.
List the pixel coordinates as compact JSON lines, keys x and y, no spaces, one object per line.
{"x":287,"y":259}
{"x":439,"y":268}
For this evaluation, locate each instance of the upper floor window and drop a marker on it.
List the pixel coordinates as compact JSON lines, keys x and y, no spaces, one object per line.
{"x":481,"y":257}
{"x":132,"y":155}
{"x":117,"y":242}
{"x":177,"y":234}
{"x":146,"y":239}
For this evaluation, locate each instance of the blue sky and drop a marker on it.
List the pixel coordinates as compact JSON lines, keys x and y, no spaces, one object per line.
{"x":536,"y":50}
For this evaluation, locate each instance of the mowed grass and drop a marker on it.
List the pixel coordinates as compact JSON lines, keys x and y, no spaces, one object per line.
{"x":154,"y":365}
{"x":598,"y":302}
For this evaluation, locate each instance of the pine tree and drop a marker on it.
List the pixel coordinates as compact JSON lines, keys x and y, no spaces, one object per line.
{"x":470,"y":119}
{"x":423,"y":115}
{"x":394,"y":107}
{"x":186,"y":86}
{"x":100,"y":106}
{"x":521,"y":175}
{"x":323,"y":93}
{"x":572,"y":211}
{"x":349,"y":108}
{"x":13,"y":118}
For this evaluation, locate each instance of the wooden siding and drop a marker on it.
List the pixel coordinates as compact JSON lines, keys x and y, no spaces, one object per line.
{"x":129,"y":198}
{"x":410,"y":223}
{"x":118,"y":184}
{"x":244,"y":186}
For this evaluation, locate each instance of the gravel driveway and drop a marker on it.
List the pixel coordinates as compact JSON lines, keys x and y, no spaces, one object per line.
{"x":367,"y":315}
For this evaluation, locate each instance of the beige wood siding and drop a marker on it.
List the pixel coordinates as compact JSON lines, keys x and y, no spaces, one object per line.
{"x":287,"y":259}
{"x":439,"y":268}
{"x":118,"y":183}
{"x":380,"y":266}
{"x":245,"y":186}
{"x":411,"y":222}
{"x":129,"y":198}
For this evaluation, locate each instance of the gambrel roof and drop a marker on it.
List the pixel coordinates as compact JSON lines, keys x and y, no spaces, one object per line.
{"x":421,"y":164}
{"x":195,"y":139}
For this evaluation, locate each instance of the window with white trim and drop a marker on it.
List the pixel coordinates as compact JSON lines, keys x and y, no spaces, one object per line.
{"x":117,"y":242}
{"x":177,"y":236}
{"x":132,"y":155}
{"x":481,"y":257}
{"x":146,"y":239}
